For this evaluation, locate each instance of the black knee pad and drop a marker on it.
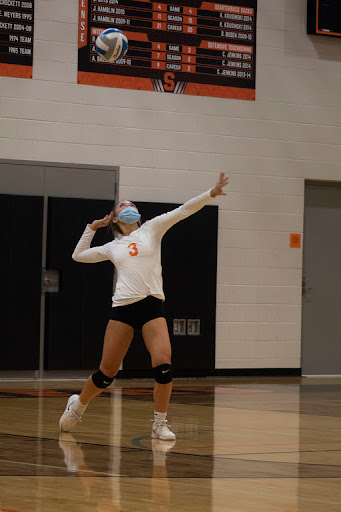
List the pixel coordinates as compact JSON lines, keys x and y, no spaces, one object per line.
{"x":163,"y":373}
{"x":100,"y":380}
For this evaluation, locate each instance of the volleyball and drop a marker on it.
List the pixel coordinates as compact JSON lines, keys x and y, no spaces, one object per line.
{"x":112,"y":44}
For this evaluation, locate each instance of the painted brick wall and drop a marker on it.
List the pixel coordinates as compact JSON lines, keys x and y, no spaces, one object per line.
{"x":171,"y":147}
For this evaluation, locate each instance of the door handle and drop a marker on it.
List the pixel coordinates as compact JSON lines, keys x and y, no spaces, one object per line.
{"x":50,"y":281}
{"x":305,"y":289}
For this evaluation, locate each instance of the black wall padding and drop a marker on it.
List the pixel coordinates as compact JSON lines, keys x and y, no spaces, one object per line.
{"x":189,"y":261}
{"x":97,"y":290}
{"x":20,"y":263}
{"x":76,"y":317}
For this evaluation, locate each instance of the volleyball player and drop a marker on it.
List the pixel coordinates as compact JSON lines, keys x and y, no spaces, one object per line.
{"x":137,"y":301}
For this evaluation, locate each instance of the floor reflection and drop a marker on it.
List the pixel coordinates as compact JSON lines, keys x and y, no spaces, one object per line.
{"x":29,"y":456}
{"x":87,"y":463}
{"x":248,"y":447}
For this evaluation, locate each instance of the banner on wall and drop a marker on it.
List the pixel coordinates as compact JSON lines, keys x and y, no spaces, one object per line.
{"x":198,"y":48}
{"x":16,"y":38}
{"x":324,"y":17}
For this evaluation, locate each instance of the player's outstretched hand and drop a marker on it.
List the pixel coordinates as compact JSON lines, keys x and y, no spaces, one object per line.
{"x":218,"y":189}
{"x":101,"y":223}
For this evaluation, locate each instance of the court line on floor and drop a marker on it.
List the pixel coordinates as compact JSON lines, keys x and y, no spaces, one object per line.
{"x":125,"y":448}
{"x":221,"y":455}
{"x":137,"y":442}
{"x":102,"y":474}
{"x":64,"y":468}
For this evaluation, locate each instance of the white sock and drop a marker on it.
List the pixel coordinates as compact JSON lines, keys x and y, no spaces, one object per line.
{"x":159,"y":416}
{"x":78,"y":407}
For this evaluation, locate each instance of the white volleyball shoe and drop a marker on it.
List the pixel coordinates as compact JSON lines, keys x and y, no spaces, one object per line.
{"x":161,"y":431}
{"x":69,"y":419}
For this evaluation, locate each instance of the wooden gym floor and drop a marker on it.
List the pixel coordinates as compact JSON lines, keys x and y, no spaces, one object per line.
{"x":243,"y":445}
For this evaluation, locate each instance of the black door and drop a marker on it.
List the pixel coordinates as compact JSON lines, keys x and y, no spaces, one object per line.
{"x":189,"y":261}
{"x":77,"y":314}
{"x":20,"y":264}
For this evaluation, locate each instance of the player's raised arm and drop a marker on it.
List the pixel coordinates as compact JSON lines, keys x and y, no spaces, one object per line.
{"x":165,"y":221}
{"x":83,"y":253}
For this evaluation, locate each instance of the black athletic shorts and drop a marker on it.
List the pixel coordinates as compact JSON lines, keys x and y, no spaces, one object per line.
{"x":139,"y":313}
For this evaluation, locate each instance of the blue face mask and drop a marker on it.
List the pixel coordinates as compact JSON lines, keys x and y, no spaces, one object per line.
{"x":129,"y":215}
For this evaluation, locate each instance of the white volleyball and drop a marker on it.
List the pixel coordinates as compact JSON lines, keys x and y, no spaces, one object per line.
{"x":112,"y":44}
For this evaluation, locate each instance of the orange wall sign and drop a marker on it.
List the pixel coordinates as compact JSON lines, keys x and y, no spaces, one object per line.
{"x":295,"y":240}
{"x":191,"y":47}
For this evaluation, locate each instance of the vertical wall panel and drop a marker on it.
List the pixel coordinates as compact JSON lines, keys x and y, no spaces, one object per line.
{"x":5,"y":214}
{"x":21,"y":268}
{"x":63,"y":309}
{"x":97,"y":289}
{"x":77,"y":315}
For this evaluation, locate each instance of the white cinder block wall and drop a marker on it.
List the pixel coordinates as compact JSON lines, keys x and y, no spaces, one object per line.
{"x":171,"y":147}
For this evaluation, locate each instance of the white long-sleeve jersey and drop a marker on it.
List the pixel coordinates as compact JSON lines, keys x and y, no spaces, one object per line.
{"x":137,"y":257}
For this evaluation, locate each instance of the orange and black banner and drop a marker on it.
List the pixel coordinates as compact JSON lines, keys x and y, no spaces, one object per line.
{"x":324,"y":17}
{"x":198,"y":48}
{"x":16,"y":38}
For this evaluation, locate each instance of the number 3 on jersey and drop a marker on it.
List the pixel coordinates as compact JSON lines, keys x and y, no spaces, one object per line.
{"x":135,"y":251}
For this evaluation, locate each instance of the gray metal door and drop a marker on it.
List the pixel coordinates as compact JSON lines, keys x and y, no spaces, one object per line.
{"x":321,"y":301}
